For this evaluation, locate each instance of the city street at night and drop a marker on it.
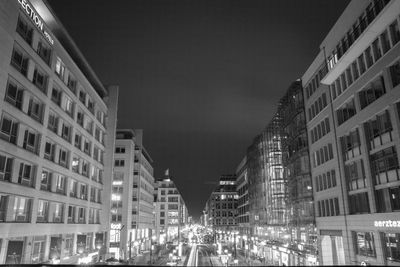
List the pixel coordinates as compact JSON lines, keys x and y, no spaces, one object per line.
{"x":200,"y":132}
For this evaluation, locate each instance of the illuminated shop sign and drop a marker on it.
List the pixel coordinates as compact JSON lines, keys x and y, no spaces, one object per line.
{"x":388,"y":223}
{"x":116,"y":226}
{"x":36,"y":19}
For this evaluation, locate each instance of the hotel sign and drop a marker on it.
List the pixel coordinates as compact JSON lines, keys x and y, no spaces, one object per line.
{"x":35,"y":19}
{"x":388,"y":223}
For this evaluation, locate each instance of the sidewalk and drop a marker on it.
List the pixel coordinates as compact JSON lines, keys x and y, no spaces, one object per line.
{"x":215,"y":261}
{"x":247,"y":262}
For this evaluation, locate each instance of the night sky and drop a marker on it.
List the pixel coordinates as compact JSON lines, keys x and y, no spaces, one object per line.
{"x":202,"y":78}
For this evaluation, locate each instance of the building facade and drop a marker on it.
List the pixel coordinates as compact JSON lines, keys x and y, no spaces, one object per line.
{"x":171,"y":214}
{"x":297,"y":172}
{"x":57,"y":127}
{"x":221,"y":208}
{"x":132,"y":196}
{"x":242,"y":218}
{"x":352,"y":99}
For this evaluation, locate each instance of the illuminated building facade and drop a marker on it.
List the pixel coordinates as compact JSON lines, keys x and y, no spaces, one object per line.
{"x":267,"y":193}
{"x":132,"y":196}
{"x":57,"y":130}
{"x":297,"y":172}
{"x":171,"y":213}
{"x":242,"y":218}
{"x":256,"y":172}
{"x":352,"y":102}
{"x":221,"y":207}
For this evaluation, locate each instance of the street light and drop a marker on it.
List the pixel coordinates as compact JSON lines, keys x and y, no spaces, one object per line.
{"x":234,"y":239}
{"x":153,"y":238}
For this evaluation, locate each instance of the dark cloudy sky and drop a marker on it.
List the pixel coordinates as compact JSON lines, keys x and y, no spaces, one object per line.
{"x":202,"y":78}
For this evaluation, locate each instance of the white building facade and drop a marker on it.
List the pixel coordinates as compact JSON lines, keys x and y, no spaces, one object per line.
{"x":57,"y":124}
{"x":132,"y":211}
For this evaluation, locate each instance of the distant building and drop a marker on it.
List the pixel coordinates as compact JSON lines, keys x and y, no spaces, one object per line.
{"x":221,"y":207}
{"x":242,"y":185}
{"x":171,"y":212}
{"x":57,"y":130}
{"x":132,"y":196}
{"x":190,"y":220}
{"x":203,"y":218}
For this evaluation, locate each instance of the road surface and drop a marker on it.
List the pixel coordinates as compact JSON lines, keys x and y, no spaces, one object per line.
{"x":203,"y":255}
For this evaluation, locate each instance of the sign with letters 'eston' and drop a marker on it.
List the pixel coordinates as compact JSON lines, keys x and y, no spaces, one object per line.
{"x":36,"y":19}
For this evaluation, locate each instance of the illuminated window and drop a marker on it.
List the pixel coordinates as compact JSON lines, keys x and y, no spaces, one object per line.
{"x":115,"y":197}
{"x":60,"y":68}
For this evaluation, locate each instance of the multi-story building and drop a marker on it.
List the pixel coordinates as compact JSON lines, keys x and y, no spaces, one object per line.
{"x":170,"y":211}
{"x":353,"y":109}
{"x":57,"y":125}
{"x":297,"y":172}
{"x":267,"y":194}
{"x":221,"y":207}
{"x":132,"y":196}
{"x":203,"y":219}
{"x":256,"y":186}
{"x":242,"y":218}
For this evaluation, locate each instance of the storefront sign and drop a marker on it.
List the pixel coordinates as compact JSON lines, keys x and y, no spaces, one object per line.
{"x":388,"y":223}
{"x":116,"y":226}
{"x":36,"y":19}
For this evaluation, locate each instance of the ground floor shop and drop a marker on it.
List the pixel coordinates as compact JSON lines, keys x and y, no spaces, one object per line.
{"x":60,"y":248}
{"x":130,"y":243}
{"x":372,"y":239}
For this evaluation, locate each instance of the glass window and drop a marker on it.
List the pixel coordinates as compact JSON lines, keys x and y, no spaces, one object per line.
{"x":20,"y":61}
{"x":66,"y":132}
{"x":14,"y":94}
{"x":82,"y":97}
{"x":24,"y":30}
{"x":359,"y":203}
{"x":44,"y":51}
{"x":60,"y":183}
{"x":344,"y":82}
{"x":394,"y":32}
{"x":355,"y":70}
{"x":376,"y":47}
{"x":349,"y":76}
{"x":364,"y":242}
{"x":338,"y":86}
{"x":383,"y":162}
{"x":40,"y":80}
{"x":71,"y":83}
{"x":5,"y":168}
{"x":347,"y":111}
{"x":392,"y":246}
{"x":385,"y":41}
{"x":372,"y":92}
{"x":361,"y":63}
{"x":26,"y":174}
{"x":60,"y":68}
{"x":42,"y":212}
{"x":395,"y":73}
{"x":394,"y":193}
{"x":333,"y":90}
{"x":368,"y":56}
{"x":68,"y":106}
{"x":21,"y":210}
